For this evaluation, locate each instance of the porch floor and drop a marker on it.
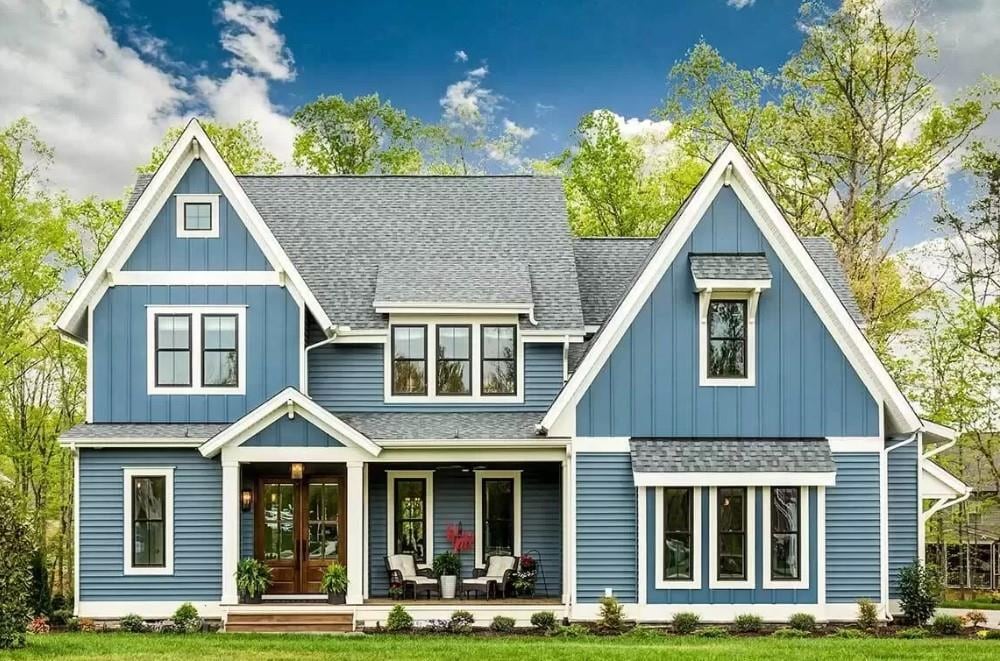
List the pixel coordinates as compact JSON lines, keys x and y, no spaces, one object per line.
{"x":437,"y":601}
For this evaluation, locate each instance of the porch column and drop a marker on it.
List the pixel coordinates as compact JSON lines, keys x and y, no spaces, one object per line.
{"x":230,"y":529}
{"x":355,"y":532}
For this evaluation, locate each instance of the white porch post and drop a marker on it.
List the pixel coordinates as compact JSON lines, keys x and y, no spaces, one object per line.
{"x":355,"y":532}
{"x":230,"y":529}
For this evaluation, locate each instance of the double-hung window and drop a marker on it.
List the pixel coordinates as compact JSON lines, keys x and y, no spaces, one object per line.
{"x":678,"y":534}
{"x":410,"y":509}
{"x":786,"y":534}
{"x":499,"y":360}
{"x":409,"y":360}
{"x":148,"y":500}
{"x":732,"y":534}
{"x":172,"y":334}
{"x":454,"y":360}
{"x":220,"y":353}
{"x":196,"y":349}
{"x":727,"y":339}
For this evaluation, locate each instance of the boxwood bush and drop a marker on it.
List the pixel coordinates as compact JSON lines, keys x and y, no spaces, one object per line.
{"x":685,"y":623}
{"x":399,"y":619}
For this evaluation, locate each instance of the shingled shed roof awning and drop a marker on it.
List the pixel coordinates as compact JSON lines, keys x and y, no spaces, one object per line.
{"x":719,"y":270}
{"x":732,"y":462}
{"x":490,"y":284}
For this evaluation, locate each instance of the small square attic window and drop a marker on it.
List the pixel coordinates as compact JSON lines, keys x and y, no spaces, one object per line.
{"x":197,"y":216}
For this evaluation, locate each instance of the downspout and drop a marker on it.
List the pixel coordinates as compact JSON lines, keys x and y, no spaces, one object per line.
{"x":895,"y":446}
{"x":331,"y":336}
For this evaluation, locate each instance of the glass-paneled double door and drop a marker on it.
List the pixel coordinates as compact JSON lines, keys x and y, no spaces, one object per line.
{"x":299,"y":530}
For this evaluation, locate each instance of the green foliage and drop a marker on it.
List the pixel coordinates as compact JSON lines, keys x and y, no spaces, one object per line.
{"x":543,"y":620}
{"x":186,"y":618}
{"x":41,"y":594}
{"x":867,"y":614}
{"x":461,"y":622}
{"x":790,"y":632}
{"x":502,"y":624}
{"x":802,"y":622}
{"x":975,"y":619}
{"x":913,"y":633}
{"x":133,"y":624}
{"x":712,"y":632}
{"x":685,"y":623}
{"x":947,"y":625}
{"x":240,"y":145}
{"x":61,"y":617}
{"x":15,"y":569}
{"x":989,"y":634}
{"x":612,"y":616}
{"x":447,"y":564}
{"x":253,"y":578}
{"x":919,"y":592}
{"x":850,"y":634}
{"x":569,"y":631}
{"x":748,"y":623}
{"x":334,"y":579}
{"x":645,"y":633}
{"x":399,"y":619}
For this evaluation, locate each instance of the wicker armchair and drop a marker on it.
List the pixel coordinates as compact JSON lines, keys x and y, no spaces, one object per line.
{"x":402,"y":570}
{"x":496,"y":578}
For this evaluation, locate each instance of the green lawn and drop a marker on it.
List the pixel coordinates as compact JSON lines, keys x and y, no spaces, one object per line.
{"x":528,"y":648}
{"x":973,"y":605}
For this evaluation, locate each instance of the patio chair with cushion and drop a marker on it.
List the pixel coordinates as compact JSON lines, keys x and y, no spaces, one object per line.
{"x":402,"y":571}
{"x":496,"y":578}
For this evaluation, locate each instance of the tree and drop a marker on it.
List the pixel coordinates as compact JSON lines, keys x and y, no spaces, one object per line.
{"x":92,"y":223}
{"x":15,"y":571}
{"x":613,"y":188}
{"x":361,"y":136}
{"x":844,"y":137}
{"x":241,"y":145}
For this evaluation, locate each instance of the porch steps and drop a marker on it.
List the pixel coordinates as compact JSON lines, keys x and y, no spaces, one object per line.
{"x":289,"y":620}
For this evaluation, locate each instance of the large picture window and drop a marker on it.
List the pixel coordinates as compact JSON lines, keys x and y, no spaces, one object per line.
{"x":454,"y":360}
{"x":727,"y":339}
{"x":678,"y":534}
{"x":409,"y":360}
{"x":410,"y":517}
{"x":786,"y":533}
{"x":732,"y":534}
{"x":498,"y":517}
{"x":220,"y":354}
{"x":172,"y":337}
{"x":499,"y":360}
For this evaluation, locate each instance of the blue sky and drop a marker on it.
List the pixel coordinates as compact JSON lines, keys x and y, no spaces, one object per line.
{"x":104,"y":79}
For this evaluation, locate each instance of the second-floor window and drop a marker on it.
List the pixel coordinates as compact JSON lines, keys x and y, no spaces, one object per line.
{"x":499,"y":361}
{"x":220,"y":354}
{"x":454,"y":360}
{"x":727,"y":339}
{"x":195,"y":349}
{"x":409,"y":360}
{"x":173,"y":350}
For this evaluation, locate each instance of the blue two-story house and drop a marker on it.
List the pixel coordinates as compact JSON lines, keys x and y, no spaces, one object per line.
{"x":307,"y":369}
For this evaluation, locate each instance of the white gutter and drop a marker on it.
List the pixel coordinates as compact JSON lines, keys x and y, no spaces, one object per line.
{"x":944,"y":503}
{"x":331,"y":336}
{"x":941,"y":448}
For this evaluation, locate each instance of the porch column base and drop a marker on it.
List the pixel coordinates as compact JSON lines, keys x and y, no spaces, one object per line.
{"x":355,"y":533}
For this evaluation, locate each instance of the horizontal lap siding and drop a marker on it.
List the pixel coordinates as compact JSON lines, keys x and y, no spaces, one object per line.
{"x":350,"y":377}
{"x":197,"y":527}
{"x":541,"y":524}
{"x":378,"y":581}
{"x":903,"y":512}
{"x":852,"y":529}
{"x":606,"y":532}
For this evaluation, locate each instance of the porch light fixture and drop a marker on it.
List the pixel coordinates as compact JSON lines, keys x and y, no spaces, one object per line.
{"x":246,"y":499}
{"x":296,"y":471}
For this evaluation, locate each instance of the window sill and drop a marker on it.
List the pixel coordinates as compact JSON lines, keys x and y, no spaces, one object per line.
{"x":454,"y":399}
{"x":693,"y":584}
{"x":800,"y":584}
{"x":723,"y":584}
{"x":746,"y":382}
{"x":196,"y":390}
{"x":148,"y":571}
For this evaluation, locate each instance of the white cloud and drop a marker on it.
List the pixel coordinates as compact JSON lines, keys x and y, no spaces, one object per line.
{"x":257,"y":47}
{"x":461,"y":56}
{"x":479,"y":72}
{"x":740,"y":4}
{"x":467,"y":102}
{"x":543,"y":108}
{"x":518,"y":132}
{"x":653,"y":138}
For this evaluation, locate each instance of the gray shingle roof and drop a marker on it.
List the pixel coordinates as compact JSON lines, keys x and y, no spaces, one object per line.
{"x":444,"y":425}
{"x":821,"y":250}
{"x":126,"y":431}
{"x":729,"y":266}
{"x":605,"y":266}
{"x":725,"y":455}
{"x":448,"y":281}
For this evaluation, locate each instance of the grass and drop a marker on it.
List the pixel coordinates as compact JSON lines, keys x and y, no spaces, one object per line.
{"x":972,"y":605}
{"x":108,"y":647}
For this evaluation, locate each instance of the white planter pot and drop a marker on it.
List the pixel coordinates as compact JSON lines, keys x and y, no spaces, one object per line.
{"x":448,"y":584}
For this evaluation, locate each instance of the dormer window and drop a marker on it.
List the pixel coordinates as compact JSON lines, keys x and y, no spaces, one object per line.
{"x":409,"y":360}
{"x":727,"y":339}
{"x":197,"y":216}
{"x":499,"y":367}
{"x":454,"y":360}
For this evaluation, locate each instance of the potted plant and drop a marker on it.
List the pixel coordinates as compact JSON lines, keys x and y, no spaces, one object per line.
{"x":253,"y":578}
{"x":334,"y":583}
{"x":524,"y":579}
{"x":447,"y":567}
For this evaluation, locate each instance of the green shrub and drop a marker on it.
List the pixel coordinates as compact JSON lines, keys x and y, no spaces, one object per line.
{"x":570,"y":631}
{"x":947,"y":625}
{"x":712,"y":632}
{"x":802,"y":622}
{"x":41,"y":595}
{"x":502,"y":624}
{"x":645,"y":633}
{"x":399,"y":619}
{"x":919,"y":592}
{"x":849,"y":634}
{"x":186,"y":619}
{"x":989,"y":634}
{"x":612,"y":618}
{"x":133,"y":623}
{"x":543,"y":620}
{"x":867,"y":614}
{"x":748,"y":623}
{"x":253,"y":578}
{"x":912,"y":634}
{"x":334,"y":579}
{"x":789,"y":632}
{"x":60,"y":617}
{"x":15,"y":569}
{"x":685,"y":623}
{"x":975,"y":619}
{"x":461,"y":622}
{"x":447,"y":564}
{"x":73,"y":624}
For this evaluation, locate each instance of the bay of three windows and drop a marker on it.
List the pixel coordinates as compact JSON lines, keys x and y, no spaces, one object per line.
{"x":453,"y":359}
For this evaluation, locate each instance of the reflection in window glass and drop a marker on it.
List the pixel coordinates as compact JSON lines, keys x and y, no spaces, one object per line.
{"x":148,"y":532}
{"x":498,"y":517}
{"x":409,"y":360}
{"x":678,"y":534}
{"x":220,"y":359}
{"x":279,"y":521}
{"x":732,"y":540}
{"x":499,"y":360}
{"x":454,"y":360}
{"x":727,"y":339}
{"x":173,"y":349}
{"x":785,"y":533}
{"x":410,"y":517}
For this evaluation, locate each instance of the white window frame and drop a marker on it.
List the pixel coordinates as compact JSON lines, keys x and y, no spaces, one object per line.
{"x":803,"y":581}
{"x":694,"y":582}
{"x":431,"y":324}
{"x":497,"y":474}
{"x":705,"y":297}
{"x":713,"y":542}
{"x":390,"y":533}
{"x":128,"y":475}
{"x":196,"y":312}
{"x":197,"y":198}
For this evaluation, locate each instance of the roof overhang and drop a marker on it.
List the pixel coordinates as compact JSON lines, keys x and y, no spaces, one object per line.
{"x":734,"y":479}
{"x":288,"y":402}
{"x":937,"y":483}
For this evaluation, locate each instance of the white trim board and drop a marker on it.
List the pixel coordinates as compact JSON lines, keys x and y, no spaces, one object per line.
{"x":802,"y":583}
{"x":733,"y":169}
{"x":149,"y":610}
{"x":751,"y":299}
{"x":129,"y":473}
{"x":390,"y":510}
{"x":180,"y":215}
{"x":169,"y":278}
{"x":497,"y":474}
{"x":721,"y":612}
{"x":195,"y":314}
{"x":733,"y":479}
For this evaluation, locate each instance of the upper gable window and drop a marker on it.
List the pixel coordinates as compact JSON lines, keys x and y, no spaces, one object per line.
{"x":197,"y":215}
{"x":197,"y":349}
{"x":727,"y":339}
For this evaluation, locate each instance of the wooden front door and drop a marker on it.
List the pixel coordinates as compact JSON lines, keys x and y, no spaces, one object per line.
{"x":300,"y":530}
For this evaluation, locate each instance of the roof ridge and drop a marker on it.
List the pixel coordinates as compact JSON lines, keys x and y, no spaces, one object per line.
{"x":307,"y":175}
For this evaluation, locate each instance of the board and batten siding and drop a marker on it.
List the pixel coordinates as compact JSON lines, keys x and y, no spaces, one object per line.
{"x":805,"y":386}
{"x":903,"y":464}
{"x":120,"y":389}
{"x":292,"y":433}
{"x":351,"y":377}
{"x":758,"y":536}
{"x":160,"y":249}
{"x":606,"y":528}
{"x":197,"y":527}
{"x":853,"y":554}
